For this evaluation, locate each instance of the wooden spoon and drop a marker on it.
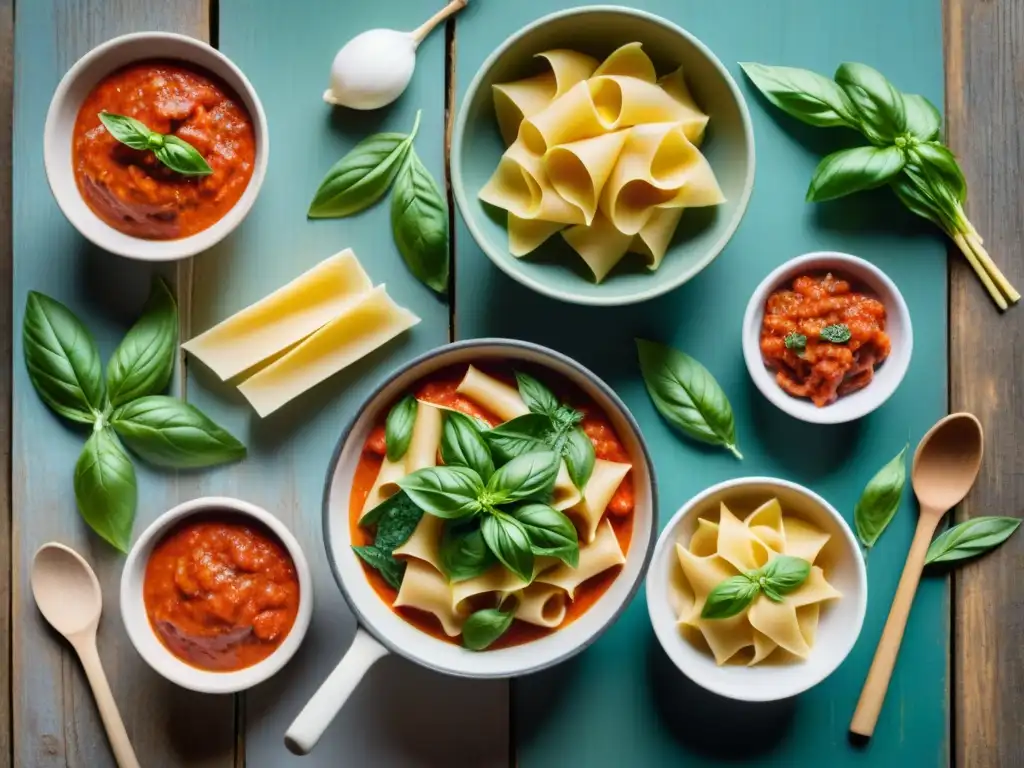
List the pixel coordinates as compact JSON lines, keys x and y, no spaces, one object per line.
{"x":946,"y":465}
{"x":69,"y":597}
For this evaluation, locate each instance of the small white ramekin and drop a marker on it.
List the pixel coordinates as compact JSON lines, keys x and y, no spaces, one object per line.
{"x":156,"y":654}
{"x":841,"y":620}
{"x":888,"y":375}
{"x":76,"y":85}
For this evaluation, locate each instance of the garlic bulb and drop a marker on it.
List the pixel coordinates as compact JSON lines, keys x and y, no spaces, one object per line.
{"x":374,"y":68}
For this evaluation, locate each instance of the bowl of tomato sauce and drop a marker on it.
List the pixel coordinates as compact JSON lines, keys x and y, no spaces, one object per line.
{"x":827,"y":337}
{"x":216,"y":595}
{"x":155,"y":146}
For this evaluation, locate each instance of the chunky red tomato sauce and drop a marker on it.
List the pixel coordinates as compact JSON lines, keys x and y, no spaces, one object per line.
{"x":439,"y":389}
{"x":823,"y":371}
{"x":221,"y":592}
{"x":133,"y":191}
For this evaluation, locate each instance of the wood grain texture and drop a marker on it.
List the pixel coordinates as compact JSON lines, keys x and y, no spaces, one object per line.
{"x":6,"y":105}
{"x":984,"y":110}
{"x":55,"y":719}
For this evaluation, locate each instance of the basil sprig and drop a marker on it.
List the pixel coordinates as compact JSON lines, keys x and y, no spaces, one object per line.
{"x":880,"y":500}
{"x":906,"y":153}
{"x":419,"y":211}
{"x":839,"y":333}
{"x":774,"y":580}
{"x":687,"y":395}
{"x":971,"y":538}
{"x":65,"y":368}
{"x":796,"y":342}
{"x":177,"y":154}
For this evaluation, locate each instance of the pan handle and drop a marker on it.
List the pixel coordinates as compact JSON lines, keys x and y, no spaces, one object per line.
{"x":306,"y":730}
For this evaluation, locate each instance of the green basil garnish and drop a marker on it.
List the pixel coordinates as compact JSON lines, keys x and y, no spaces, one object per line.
{"x":730,"y":598}
{"x":687,"y":395}
{"x":523,"y":434}
{"x":396,"y":519}
{"x":538,"y":398}
{"x":105,"y":488}
{"x":530,"y":477}
{"x":880,"y":500}
{"x":509,"y":542}
{"x":447,"y":492}
{"x":796,"y":342}
{"x":484,"y":627}
{"x":579,"y":456}
{"x":389,"y":567}
{"x":463,"y":444}
{"x":806,"y":95}
{"x":837,"y":334}
{"x":854,"y":170}
{"x":144,"y":360}
{"x":777,"y":578}
{"x":464,"y":553}
{"x":398,"y":427}
{"x":924,"y":121}
{"x":971,"y":538}
{"x":177,"y":154}
{"x":877,"y":103}
{"x":550,"y":532}
{"x":782,"y":575}
{"x":419,"y":223}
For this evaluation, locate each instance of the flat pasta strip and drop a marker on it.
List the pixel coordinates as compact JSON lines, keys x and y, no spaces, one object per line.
{"x":803,"y":539}
{"x":566,"y":494}
{"x":765,"y":522}
{"x":542,"y":604}
{"x":628,"y":60}
{"x":601,"y":245}
{"x":777,"y":621}
{"x":655,"y":235}
{"x":426,"y":437}
{"x":578,"y":170}
{"x":520,"y":185}
{"x":726,"y":637}
{"x":674,"y":84}
{"x":622,"y":102}
{"x":703,"y":575}
{"x":285,"y":317}
{"x":815,"y":589}
{"x":704,"y":541}
{"x":385,"y":486}
{"x":492,"y":395}
{"x":738,"y":545}
{"x":601,"y":554}
{"x":571,"y":117}
{"x":425,"y":542}
{"x":764,"y":647}
{"x":426,"y":589}
{"x":515,"y":101}
{"x":497,"y":579}
{"x":589,"y":511}
{"x":365,"y":326}
{"x":527,"y":235}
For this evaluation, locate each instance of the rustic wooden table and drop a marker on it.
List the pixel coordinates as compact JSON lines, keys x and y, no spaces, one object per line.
{"x":984,"y":48}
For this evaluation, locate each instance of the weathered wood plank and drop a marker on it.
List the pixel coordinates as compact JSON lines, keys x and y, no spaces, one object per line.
{"x":55,"y":720}
{"x":984,"y":109}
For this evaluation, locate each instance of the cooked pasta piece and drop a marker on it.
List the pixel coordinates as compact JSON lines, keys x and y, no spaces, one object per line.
{"x":566,"y":494}
{"x":426,"y":437}
{"x":803,"y":539}
{"x":426,"y":589}
{"x":527,"y":235}
{"x":568,"y":67}
{"x":492,"y":395}
{"x":705,"y":539}
{"x":386,"y":484}
{"x":628,"y":61}
{"x":622,"y":102}
{"x":541,"y":604}
{"x":653,"y":239}
{"x":765,"y":522}
{"x":703,"y":574}
{"x":738,"y":545}
{"x":521,"y":186}
{"x":777,"y":622}
{"x":674,"y":84}
{"x":601,"y":554}
{"x":425,"y":542}
{"x":578,"y":170}
{"x":603,"y":483}
{"x":601,"y":245}
{"x":497,"y":579}
{"x":570,"y":117}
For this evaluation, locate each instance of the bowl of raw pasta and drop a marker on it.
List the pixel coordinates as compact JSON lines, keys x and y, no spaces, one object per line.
{"x":757,"y":589}
{"x":602,"y":155}
{"x":488,"y":513}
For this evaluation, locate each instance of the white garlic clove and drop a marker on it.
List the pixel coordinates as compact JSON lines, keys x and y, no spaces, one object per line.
{"x":372,"y":70}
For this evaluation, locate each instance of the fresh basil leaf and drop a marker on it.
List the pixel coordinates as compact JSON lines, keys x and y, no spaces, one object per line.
{"x":550,"y":532}
{"x":538,"y":398}
{"x":482,"y":628}
{"x":448,"y":492}
{"x":143,"y":362}
{"x":806,"y":95}
{"x":462,"y":444}
{"x":783,"y":574}
{"x":523,"y":434}
{"x":796,"y":341}
{"x":937,"y":164}
{"x":387,"y":565}
{"x":837,"y":333}
{"x":730,"y":598}
{"x":363,"y":176}
{"x":530,"y":477}
{"x":181,"y":157}
{"x":398,"y":427}
{"x":913,"y":191}
{"x":565,"y":417}
{"x":854,"y":170}
{"x":579,"y":456}
{"x":687,"y":395}
{"x":768,"y":591}
{"x":876,"y":102}
{"x":105,"y":488}
{"x":507,"y":539}
{"x":880,"y":500}
{"x":62,"y":360}
{"x":167,"y":432}
{"x":419,"y":222}
{"x":924,"y":121}
{"x":971,"y":538}
{"x":127,"y":130}
{"x":396,"y":519}
{"x":464,"y":553}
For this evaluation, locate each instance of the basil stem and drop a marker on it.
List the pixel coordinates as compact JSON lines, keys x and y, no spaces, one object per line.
{"x":176,"y":153}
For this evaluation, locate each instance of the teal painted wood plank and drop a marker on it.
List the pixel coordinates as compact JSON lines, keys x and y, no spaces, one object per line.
{"x":286,"y":49}
{"x":55,"y":720}
{"x":622,"y":702}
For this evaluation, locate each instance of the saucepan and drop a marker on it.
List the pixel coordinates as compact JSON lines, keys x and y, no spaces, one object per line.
{"x":381,"y":629}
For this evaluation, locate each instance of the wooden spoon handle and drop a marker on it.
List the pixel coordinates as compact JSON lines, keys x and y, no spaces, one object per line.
{"x":420,"y":33}
{"x":877,"y":683}
{"x":118,"y":736}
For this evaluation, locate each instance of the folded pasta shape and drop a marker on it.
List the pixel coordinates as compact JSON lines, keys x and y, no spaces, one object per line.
{"x":596,"y":557}
{"x":628,"y":60}
{"x":527,"y":235}
{"x":491,"y":394}
{"x":600,"y":488}
{"x":601,"y":245}
{"x":578,"y":170}
{"x":521,"y":186}
{"x":566,"y":494}
{"x":426,"y":589}
{"x":542,"y":604}
{"x":425,"y":542}
{"x":385,"y":486}
{"x":653,"y":239}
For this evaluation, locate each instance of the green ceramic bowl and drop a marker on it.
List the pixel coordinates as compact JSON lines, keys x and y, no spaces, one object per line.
{"x":554,"y":269}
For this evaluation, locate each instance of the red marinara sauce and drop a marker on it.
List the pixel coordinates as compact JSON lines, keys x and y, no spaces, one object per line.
{"x":823,"y":371}
{"x":221,"y":593}
{"x":133,"y":191}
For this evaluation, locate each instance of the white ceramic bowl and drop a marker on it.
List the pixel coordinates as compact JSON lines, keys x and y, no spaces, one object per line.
{"x":840,"y":622}
{"x":140,"y":631}
{"x":888,"y":375}
{"x":382,"y":630}
{"x":60,"y":123}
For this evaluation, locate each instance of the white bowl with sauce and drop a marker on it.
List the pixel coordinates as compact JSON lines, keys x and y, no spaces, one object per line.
{"x":79,"y":82}
{"x":865,"y":277}
{"x":140,"y":629}
{"x":840,"y":620}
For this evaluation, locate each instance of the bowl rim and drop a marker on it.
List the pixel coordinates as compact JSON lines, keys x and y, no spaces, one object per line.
{"x":168,"y":250}
{"x":658,"y":287}
{"x":668,"y":535}
{"x":765,"y":383}
{"x":136,"y":622}
{"x":416,"y":362}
